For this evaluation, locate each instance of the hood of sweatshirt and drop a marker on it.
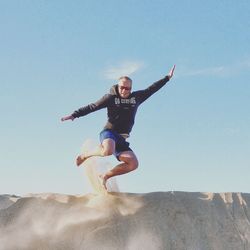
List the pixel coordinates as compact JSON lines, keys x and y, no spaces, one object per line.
{"x":114,"y":90}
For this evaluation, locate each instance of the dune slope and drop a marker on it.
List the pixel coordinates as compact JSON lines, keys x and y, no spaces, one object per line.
{"x":161,"y":220}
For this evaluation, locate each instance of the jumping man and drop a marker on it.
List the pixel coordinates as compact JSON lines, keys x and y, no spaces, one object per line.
{"x":122,"y":105}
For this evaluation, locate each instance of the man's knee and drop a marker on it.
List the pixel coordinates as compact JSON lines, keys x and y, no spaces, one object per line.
{"x":133,"y":164}
{"x":130,"y":159}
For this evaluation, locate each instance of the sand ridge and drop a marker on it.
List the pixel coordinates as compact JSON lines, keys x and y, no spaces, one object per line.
{"x":159,"y":220}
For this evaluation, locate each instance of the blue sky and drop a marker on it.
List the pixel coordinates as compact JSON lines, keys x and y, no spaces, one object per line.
{"x":56,"y":56}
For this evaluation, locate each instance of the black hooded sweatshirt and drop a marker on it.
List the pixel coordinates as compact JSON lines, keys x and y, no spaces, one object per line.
{"x":121,"y":111}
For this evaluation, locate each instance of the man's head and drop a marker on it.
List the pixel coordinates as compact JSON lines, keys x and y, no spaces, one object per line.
{"x":124,"y":86}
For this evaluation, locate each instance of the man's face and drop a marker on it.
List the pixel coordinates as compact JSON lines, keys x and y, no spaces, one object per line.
{"x":124,"y":87}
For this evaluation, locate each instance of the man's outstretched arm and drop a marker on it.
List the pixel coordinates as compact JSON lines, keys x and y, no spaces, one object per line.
{"x":102,"y":103}
{"x":145,"y":94}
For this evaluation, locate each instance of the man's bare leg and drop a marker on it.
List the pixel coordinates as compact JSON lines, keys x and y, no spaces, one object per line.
{"x":129,"y":164}
{"x":106,"y":148}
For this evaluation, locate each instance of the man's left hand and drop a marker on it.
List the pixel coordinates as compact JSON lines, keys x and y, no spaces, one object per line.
{"x":171,"y":72}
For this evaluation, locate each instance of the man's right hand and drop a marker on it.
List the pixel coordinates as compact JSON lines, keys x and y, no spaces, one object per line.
{"x":69,"y":117}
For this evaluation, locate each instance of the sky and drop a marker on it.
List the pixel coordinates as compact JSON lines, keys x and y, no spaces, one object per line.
{"x":57,"y":56}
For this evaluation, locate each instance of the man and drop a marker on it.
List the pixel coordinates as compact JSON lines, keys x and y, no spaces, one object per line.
{"x":122,"y":106}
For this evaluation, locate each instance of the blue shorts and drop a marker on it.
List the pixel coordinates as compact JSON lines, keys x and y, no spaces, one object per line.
{"x":121,"y":144}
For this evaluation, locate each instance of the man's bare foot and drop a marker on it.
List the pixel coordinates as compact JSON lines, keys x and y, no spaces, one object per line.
{"x":80,"y":159}
{"x":103,"y":180}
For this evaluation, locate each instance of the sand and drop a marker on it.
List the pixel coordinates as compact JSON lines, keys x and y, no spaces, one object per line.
{"x":161,"y":220}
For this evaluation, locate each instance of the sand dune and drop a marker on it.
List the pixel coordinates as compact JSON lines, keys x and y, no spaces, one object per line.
{"x":163,"y":220}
